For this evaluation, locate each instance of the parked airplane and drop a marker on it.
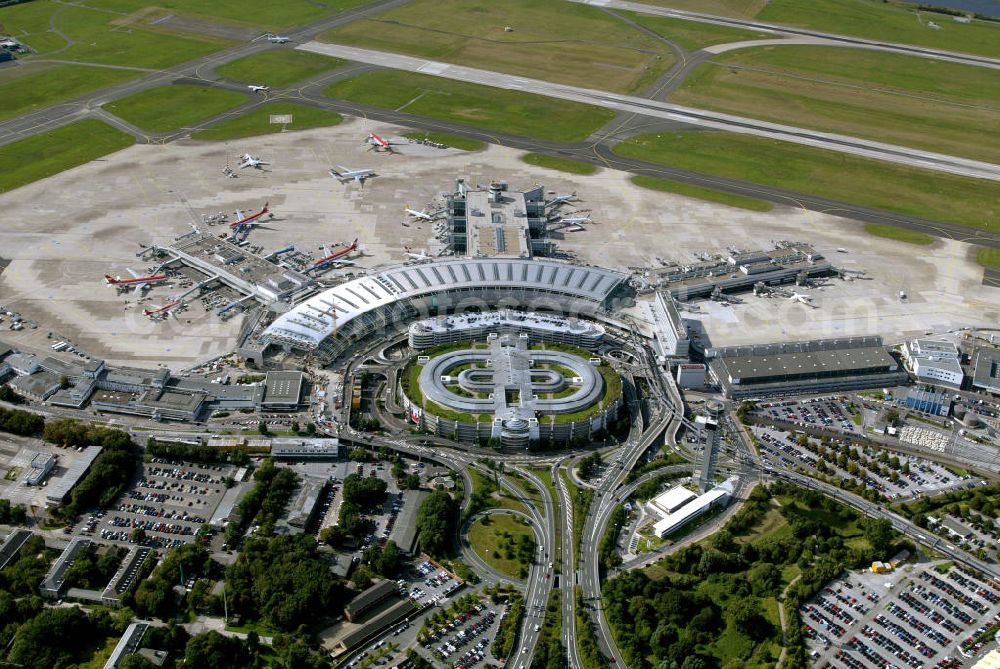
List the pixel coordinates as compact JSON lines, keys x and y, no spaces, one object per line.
{"x":242,"y":220}
{"x":251,"y":161}
{"x":160,"y":313}
{"x":255,"y":88}
{"x":576,"y":220}
{"x":561,"y":199}
{"x":422,"y":255}
{"x":378,"y":144}
{"x":278,"y":39}
{"x":802,"y":298}
{"x":425,"y":215}
{"x":139,"y":283}
{"x":345,"y":174}
{"x":334,"y":257}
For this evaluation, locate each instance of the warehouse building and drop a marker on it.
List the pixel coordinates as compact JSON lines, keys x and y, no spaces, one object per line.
{"x":370,"y":600}
{"x":927,"y":400}
{"x":59,"y":489}
{"x":986,"y":366}
{"x":822,"y":365}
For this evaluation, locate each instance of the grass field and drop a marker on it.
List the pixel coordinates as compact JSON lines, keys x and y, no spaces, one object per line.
{"x":988,"y":258}
{"x":872,"y":183}
{"x":25,"y":89}
{"x":693,"y":35}
{"x":277,"y":68}
{"x":932,"y":105}
{"x":899,"y":234}
{"x":258,"y":121}
{"x":489,"y":541}
{"x":562,"y":164}
{"x":884,"y":20}
{"x":174,"y":107}
{"x":707,"y":194}
{"x":483,"y":107}
{"x":554,"y":40}
{"x":52,"y":152}
{"x":99,"y":37}
{"x":454,"y":141}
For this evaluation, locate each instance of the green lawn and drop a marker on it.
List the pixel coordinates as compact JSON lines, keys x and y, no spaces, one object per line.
{"x":454,"y":141}
{"x":872,"y":183}
{"x":887,"y":97}
{"x":26,"y":89}
{"x":883,"y":20}
{"x":265,"y":14}
{"x":100,"y":36}
{"x":277,"y":68}
{"x":694,"y":35}
{"x":57,"y":150}
{"x":170,"y":108}
{"x":555,"y":40}
{"x":258,"y":121}
{"x":562,"y":164}
{"x":489,"y":538}
{"x":702,"y":193}
{"x":899,"y":234}
{"x":988,"y":257}
{"x":483,"y":107}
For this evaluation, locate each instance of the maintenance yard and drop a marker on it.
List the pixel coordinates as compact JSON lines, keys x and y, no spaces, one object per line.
{"x":926,"y":615}
{"x":63,"y":234}
{"x":895,"y":476}
{"x":169,"y":501}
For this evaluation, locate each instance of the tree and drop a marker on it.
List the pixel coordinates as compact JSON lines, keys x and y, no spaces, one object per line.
{"x":212,"y":650}
{"x":879,"y":533}
{"x":310,"y":429}
{"x":437,"y":522}
{"x":744,"y":615}
{"x":262,"y":428}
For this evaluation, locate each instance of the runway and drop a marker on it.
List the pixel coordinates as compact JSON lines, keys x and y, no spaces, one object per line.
{"x":832,"y":39}
{"x":654,"y":108}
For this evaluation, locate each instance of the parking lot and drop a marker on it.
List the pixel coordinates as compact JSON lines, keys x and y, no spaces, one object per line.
{"x":928,"y":615}
{"x":169,"y":501}
{"x":465,"y":640}
{"x":876,"y":467}
{"x":429,"y":584}
{"x":831,"y":413}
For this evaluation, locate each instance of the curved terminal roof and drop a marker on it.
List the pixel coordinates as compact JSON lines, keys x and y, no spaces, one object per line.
{"x":309,"y":323}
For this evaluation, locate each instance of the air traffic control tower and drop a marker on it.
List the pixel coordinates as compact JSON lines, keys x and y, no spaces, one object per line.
{"x":496,"y":222}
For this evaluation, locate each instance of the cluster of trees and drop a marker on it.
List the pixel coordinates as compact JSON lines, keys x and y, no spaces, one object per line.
{"x":283,"y":582}
{"x":550,"y":653}
{"x":716,"y":589}
{"x":7,"y":394}
{"x":651,"y":488}
{"x":483,"y":489}
{"x":506,"y":638}
{"x":23,"y":575}
{"x":196,"y":452}
{"x":20,"y":422}
{"x":521,"y":549}
{"x":60,"y":637}
{"x":387,"y":562}
{"x":607,"y":552}
{"x":12,"y":514}
{"x":266,"y":500}
{"x":368,"y":494}
{"x":589,"y":465}
{"x":437,"y":523}
{"x":93,"y":568}
{"x":155,"y":596}
{"x":586,"y":637}
{"x":361,"y":496}
{"x":111,"y":472}
{"x":978,"y":505}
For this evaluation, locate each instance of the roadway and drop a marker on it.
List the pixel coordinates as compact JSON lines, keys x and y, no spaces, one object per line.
{"x":664,"y":110}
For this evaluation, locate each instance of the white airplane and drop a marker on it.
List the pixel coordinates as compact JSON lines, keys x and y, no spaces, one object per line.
{"x":251,"y":161}
{"x":255,"y":88}
{"x":425,"y":215}
{"x":561,"y":199}
{"x":278,"y":39}
{"x":379,"y":144}
{"x":422,"y":255}
{"x":802,"y":298}
{"x":576,"y":220}
{"x":345,"y":174}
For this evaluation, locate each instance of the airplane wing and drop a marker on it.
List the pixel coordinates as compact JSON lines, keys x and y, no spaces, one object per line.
{"x":240,"y":215}
{"x":135,"y":275}
{"x":139,"y":288}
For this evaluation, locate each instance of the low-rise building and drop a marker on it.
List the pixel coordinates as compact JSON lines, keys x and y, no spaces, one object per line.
{"x":282,"y":391}
{"x":927,"y":400}
{"x":54,"y":582}
{"x":688,"y":511}
{"x":369,"y":600}
{"x":935,"y":362}
{"x":11,"y":546}
{"x":59,"y":489}
{"x":986,"y":366}
{"x":41,"y":465}
{"x":304,"y":448}
{"x":691,"y":375}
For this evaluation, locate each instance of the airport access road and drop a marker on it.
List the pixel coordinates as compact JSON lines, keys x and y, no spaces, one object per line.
{"x":832,"y":39}
{"x":893,"y":153}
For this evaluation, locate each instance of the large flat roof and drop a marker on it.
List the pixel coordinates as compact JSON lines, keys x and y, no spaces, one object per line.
{"x":309,"y":323}
{"x":804,"y":358}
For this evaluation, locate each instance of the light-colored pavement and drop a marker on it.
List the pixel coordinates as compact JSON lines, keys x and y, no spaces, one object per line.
{"x":626,"y":103}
